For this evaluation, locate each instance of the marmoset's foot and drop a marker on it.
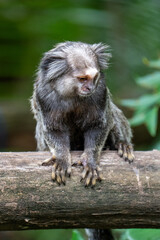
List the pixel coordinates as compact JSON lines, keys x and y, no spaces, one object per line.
{"x":60,"y":169}
{"x":126,"y":152}
{"x":91,"y":171}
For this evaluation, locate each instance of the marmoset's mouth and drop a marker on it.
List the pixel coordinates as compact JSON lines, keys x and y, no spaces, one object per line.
{"x":86,"y":94}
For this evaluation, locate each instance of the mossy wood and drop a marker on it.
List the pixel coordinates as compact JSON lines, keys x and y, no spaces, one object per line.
{"x":128,"y":197}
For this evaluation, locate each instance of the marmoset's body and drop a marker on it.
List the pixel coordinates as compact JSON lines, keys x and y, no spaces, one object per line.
{"x":74,"y":110}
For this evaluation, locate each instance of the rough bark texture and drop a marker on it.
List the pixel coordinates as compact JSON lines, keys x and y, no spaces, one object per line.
{"x":128,"y":197}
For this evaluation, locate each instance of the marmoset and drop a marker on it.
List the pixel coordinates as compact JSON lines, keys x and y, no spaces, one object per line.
{"x":74,"y":110}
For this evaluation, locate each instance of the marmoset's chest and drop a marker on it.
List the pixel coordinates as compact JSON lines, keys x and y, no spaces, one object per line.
{"x":77,"y":114}
{"x":83,"y":117}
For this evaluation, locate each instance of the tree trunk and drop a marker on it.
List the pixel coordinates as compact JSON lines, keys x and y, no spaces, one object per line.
{"x":128,"y":197}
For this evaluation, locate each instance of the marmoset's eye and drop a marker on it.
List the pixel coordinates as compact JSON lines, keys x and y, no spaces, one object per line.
{"x":83,"y":79}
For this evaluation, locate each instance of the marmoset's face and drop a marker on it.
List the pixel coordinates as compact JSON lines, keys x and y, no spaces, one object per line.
{"x":86,"y":81}
{"x":83,"y":76}
{"x":73,"y":68}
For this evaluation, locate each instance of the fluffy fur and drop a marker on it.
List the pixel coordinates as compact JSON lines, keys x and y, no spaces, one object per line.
{"x":74,"y":111}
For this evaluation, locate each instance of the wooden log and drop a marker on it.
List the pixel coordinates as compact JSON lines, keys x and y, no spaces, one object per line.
{"x":128,"y":197}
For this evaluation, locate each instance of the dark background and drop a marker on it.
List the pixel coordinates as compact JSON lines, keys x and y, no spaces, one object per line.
{"x":28,"y":28}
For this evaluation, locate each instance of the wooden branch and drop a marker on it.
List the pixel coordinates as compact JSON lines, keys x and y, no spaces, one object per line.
{"x":128,"y":197}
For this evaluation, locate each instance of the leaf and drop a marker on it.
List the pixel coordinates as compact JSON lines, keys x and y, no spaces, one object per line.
{"x":137,"y":119}
{"x":153,"y":63}
{"x":151,"y":81}
{"x":143,"y":102}
{"x":129,"y":103}
{"x":76,"y":235}
{"x":149,"y":117}
{"x":147,"y":101}
{"x":151,"y":120}
{"x":143,"y":234}
{"x":138,"y":234}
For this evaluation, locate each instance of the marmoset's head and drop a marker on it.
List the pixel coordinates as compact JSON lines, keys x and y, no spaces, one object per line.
{"x":73,"y":68}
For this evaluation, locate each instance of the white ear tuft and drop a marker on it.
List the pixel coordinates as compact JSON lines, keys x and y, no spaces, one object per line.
{"x":103,"y":56}
{"x":53,"y":64}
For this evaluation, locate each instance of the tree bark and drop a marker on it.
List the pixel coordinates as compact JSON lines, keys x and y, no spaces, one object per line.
{"x":128,"y":196}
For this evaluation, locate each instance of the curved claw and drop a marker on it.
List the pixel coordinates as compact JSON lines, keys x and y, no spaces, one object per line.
{"x":88,"y":179}
{"x":126,"y":151}
{"x":85,"y":172}
{"x":120,"y":149}
{"x":54,"y":167}
{"x":94,"y":181}
{"x":60,"y":171}
{"x":91,"y":175}
{"x":99,"y":174}
{"x":63,"y":177}
{"x":49,"y":161}
{"x":58,"y":178}
{"x":69,"y":172}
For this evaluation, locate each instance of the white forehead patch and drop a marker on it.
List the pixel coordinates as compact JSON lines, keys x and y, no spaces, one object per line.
{"x":80,"y":52}
{"x":91,"y":72}
{"x":80,"y":58}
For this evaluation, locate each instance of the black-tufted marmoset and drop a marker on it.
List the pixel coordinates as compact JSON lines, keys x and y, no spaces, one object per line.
{"x":74,"y":111}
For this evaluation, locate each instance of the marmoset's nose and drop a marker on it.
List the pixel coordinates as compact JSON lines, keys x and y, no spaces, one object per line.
{"x":87,"y":88}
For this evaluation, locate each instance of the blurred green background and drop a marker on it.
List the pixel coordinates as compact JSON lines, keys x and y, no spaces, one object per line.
{"x":31,"y":27}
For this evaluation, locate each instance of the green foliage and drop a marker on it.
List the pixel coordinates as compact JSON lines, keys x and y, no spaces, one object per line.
{"x":30,"y":28}
{"x":50,"y":234}
{"x":153,"y":64}
{"x":138,"y":234}
{"x":151,"y":81}
{"x":146,"y":107}
{"x":76,"y":235}
{"x":131,"y":28}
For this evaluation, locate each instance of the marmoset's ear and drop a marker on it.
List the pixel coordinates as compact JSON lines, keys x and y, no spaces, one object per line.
{"x":53,"y":64}
{"x":103,"y":56}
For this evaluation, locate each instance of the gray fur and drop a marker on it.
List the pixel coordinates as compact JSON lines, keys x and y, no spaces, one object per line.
{"x":74,"y":111}
{"x":55,"y":99}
